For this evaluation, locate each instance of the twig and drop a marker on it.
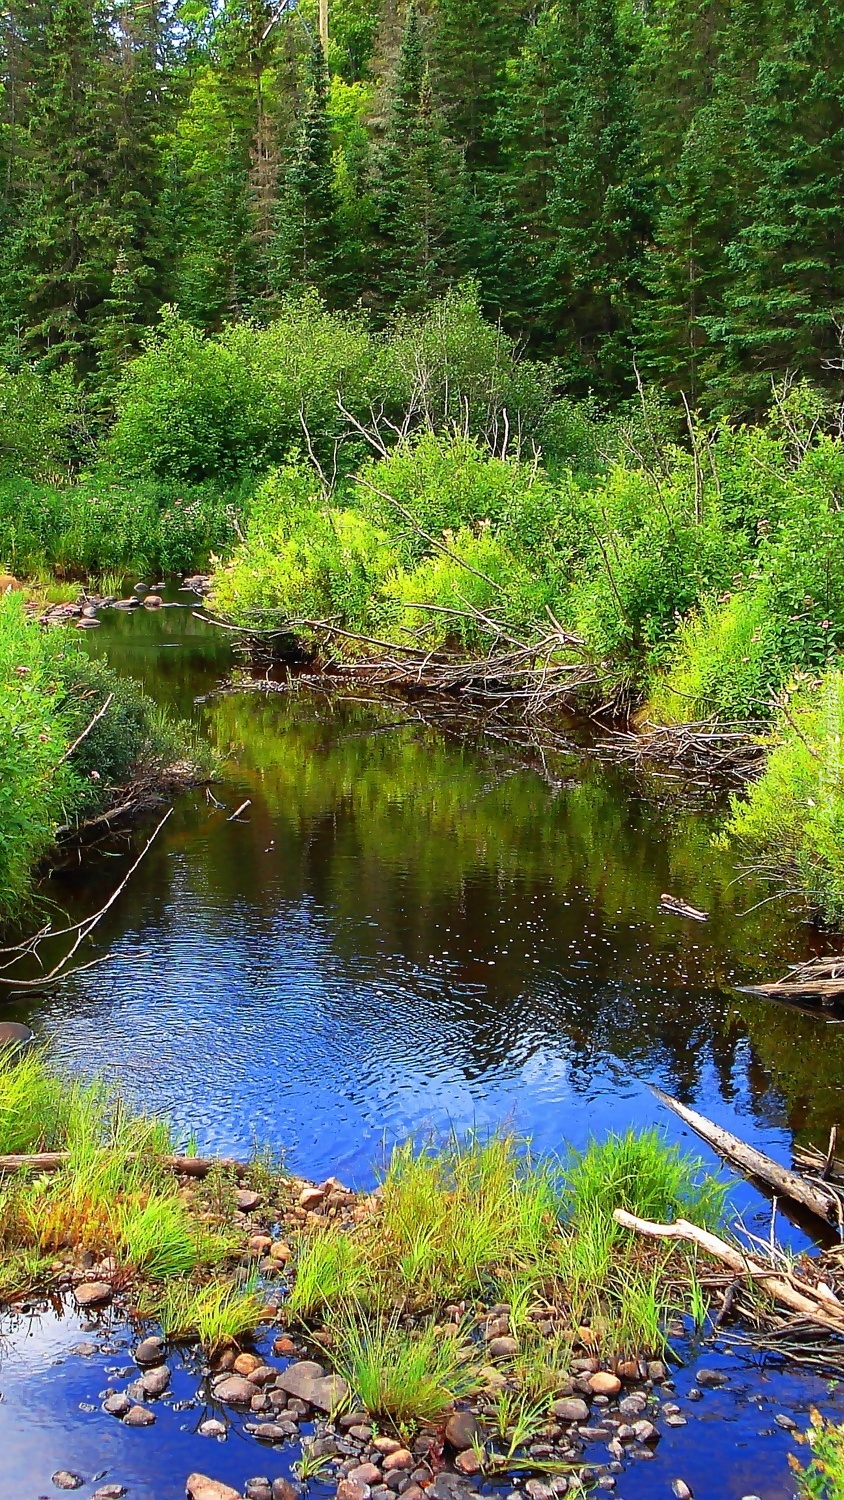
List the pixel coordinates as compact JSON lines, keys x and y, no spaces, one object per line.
{"x":86,"y":731}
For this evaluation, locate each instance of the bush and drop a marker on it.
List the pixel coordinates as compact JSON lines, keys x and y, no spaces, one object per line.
{"x":792,"y":820}
{"x":39,"y":416}
{"x":823,"y":1476}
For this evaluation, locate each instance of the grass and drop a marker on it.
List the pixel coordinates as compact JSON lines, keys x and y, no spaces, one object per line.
{"x":407,"y":1374}
{"x":329,"y":1272}
{"x":214,"y":1313}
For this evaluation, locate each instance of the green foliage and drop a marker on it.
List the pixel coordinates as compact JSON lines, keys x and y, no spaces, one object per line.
{"x":823,"y":1476}
{"x":792,"y":820}
{"x":215,"y":1312}
{"x":406,"y":1375}
{"x":38,"y":415}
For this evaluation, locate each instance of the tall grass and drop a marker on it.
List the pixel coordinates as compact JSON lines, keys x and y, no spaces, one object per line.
{"x":408,"y":1375}
{"x":216,"y":1313}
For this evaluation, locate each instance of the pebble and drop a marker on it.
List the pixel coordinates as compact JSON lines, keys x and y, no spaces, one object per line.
{"x":213,"y":1428}
{"x":785,"y":1422}
{"x":65,"y":1479}
{"x":710,"y":1378}
{"x":139,"y":1416}
{"x":675,"y":1419}
{"x":604,"y":1384}
{"x":246,"y":1363}
{"x":539,"y":1490}
{"x":284,"y":1489}
{"x":387,"y":1445}
{"x":646,"y":1432}
{"x":234,"y":1390}
{"x":84,"y":1350}
{"x":109,"y":1492}
{"x":353,"y":1489}
{"x":154,"y":1382}
{"x":118,"y":1405}
{"x":681,"y":1490}
{"x":633,"y":1406}
{"x":570,"y":1409}
{"x":93,"y":1294}
{"x":468,"y":1462}
{"x":311,"y":1197}
{"x":366,"y":1473}
{"x":461,"y":1430}
{"x":504,"y":1347}
{"x":258,"y":1489}
{"x":268,"y":1432}
{"x":150,"y":1351}
{"x":245,"y":1200}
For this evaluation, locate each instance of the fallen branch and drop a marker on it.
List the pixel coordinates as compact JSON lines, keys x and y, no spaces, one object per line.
{"x":819,"y":1199}
{"x":805,"y":1300}
{"x":185,"y":1166}
{"x":86,"y":731}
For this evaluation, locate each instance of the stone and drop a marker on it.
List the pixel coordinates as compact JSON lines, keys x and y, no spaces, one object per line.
{"x":413,"y":1492}
{"x":306,"y":1380}
{"x":570,"y":1409}
{"x":353,"y":1489}
{"x":200,"y":1487}
{"x":93,"y":1294}
{"x":269,"y":1432}
{"x":675,"y":1419}
{"x":656,"y":1371}
{"x":646,"y":1432}
{"x":468,"y":1462}
{"x":785,"y":1422}
{"x":628,"y":1369}
{"x":153,"y":601}
{"x":284,"y":1344}
{"x":109,"y":1492}
{"x":311,"y":1197}
{"x":139,"y":1416}
{"x":681,"y":1490}
{"x":245,"y":1200}
{"x":284,"y":1489}
{"x":361,"y":1434}
{"x":709,"y":1378}
{"x":280,"y":1251}
{"x":400,"y":1458}
{"x":213,"y":1428}
{"x":263,"y":1375}
{"x":118,"y":1405}
{"x":246,"y":1363}
{"x":234,"y":1390}
{"x":633,"y":1406}
{"x":65,"y":1479}
{"x":539,"y":1490}
{"x":259,"y":1488}
{"x":503,"y":1347}
{"x":604,"y":1384}
{"x":150,"y":1351}
{"x":366,"y":1473}
{"x":461,"y":1430}
{"x":387,"y":1445}
{"x":84,"y":1350}
{"x":154,"y":1382}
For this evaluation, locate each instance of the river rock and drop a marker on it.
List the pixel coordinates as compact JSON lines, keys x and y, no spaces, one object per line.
{"x":154,"y":1382}
{"x":365,"y":1473}
{"x":353,"y":1489}
{"x":468,"y":1463}
{"x":200,"y":1487}
{"x":269,"y":1432}
{"x":118,"y":1405}
{"x":213,"y":1428}
{"x":258,"y":1489}
{"x":65,"y":1479}
{"x":284,"y":1489}
{"x":681,"y":1490}
{"x":91,"y":623}
{"x":307,"y":1381}
{"x":503,"y":1347}
{"x":646,"y":1432}
{"x":245,"y":1363}
{"x":400,"y":1458}
{"x":709,"y":1378}
{"x":311,"y":1197}
{"x":14,"y":1035}
{"x":109,"y":1492}
{"x":262,"y":1375}
{"x":245,"y":1200}
{"x":93,"y":1294}
{"x":234,"y":1390}
{"x":150,"y":1351}
{"x":153,"y":601}
{"x":604,"y":1384}
{"x":570,"y":1409}
{"x":461,"y":1430}
{"x":139,"y":1416}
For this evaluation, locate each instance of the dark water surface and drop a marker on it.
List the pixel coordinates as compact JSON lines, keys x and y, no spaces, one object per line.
{"x":403,"y":934}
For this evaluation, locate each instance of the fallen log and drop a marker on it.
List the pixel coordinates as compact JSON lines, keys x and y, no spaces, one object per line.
{"x":184,"y":1166}
{"x":823,"y":1309}
{"x":680,"y":908}
{"x":819,"y":1199}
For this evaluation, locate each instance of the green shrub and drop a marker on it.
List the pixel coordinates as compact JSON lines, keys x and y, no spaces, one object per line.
{"x":39,"y":415}
{"x":792,"y":820}
{"x":823,"y":1476}
{"x":726,"y":663}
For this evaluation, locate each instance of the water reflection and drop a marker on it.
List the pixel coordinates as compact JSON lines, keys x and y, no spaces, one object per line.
{"x":405,"y":933}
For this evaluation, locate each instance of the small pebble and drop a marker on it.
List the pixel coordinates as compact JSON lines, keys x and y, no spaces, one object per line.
{"x":65,"y":1479}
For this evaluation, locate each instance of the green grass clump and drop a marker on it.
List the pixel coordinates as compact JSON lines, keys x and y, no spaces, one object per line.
{"x":330,"y":1272}
{"x":406,"y":1374}
{"x":823,"y":1476}
{"x":790,"y":824}
{"x":215,"y":1313}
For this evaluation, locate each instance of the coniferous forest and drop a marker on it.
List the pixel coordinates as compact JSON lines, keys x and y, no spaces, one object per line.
{"x":655,"y":184}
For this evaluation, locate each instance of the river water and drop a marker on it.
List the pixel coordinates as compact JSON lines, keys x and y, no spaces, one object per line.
{"x":407,"y":933}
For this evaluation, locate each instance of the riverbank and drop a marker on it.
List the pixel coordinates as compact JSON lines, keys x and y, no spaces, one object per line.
{"x":79,"y":747}
{"x":479,"y":1319}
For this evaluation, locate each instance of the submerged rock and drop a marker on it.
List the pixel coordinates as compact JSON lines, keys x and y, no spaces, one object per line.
{"x":200,"y":1487}
{"x":139,"y":1416}
{"x":65,"y":1479}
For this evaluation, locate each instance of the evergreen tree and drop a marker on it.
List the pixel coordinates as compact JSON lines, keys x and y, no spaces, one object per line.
{"x":600,"y":207}
{"x":473,"y":45}
{"x":309,"y":248}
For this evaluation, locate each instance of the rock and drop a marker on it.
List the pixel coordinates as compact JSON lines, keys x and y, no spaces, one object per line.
{"x":503,"y":1347}
{"x":675,"y":1419}
{"x":91,"y":623}
{"x":263,"y":1375}
{"x":570,"y":1409}
{"x":539,"y":1490}
{"x":311,"y":1197}
{"x":400,"y":1458}
{"x":280,"y":1251}
{"x":646,"y":1432}
{"x":246,"y":1363}
{"x":258,"y":1489}
{"x":109,"y":1492}
{"x":633,"y":1406}
{"x":387,"y":1445}
{"x":365,"y":1474}
{"x":117,"y":1406}
{"x":65,"y":1479}
{"x":306,"y":1380}
{"x":361,"y":1434}
{"x":200,"y":1487}
{"x":153,"y":601}
{"x":468,"y":1462}
{"x":604,"y":1384}
{"x":656,"y":1371}
{"x":150,"y":1351}
{"x":284,"y":1344}
{"x":139,"y":1416}
{"x":461,"y":1430}
{"x":353,"y":1489}
{"x":628,"y":1369}
{"x":284,"y":1489}
{"x":268,"y":1432}
{"x":234,"y":1390}
{"x":709,"y":1378}
{"x":213,"y":1428}
{"x":413,"y":1492}
{"x":14,"y":1035}
{"x":785,"y":1422}
{"x":154,"y":1382}
{"x":245,"y":1200}
{"x":681,"y":1490}
{"x":93,"y":1294}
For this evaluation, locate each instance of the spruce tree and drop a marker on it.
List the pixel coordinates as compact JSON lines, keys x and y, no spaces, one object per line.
{"x":309,"y":247}
{"x":474,"y":42}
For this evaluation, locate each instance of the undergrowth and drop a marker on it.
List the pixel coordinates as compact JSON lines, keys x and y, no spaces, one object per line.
{"x":823,"y":1476}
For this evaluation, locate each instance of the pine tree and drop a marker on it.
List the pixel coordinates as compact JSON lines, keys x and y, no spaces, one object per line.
{"x":309,"y":249}
{"x":473,"y":45}
{"x":600,"y":207}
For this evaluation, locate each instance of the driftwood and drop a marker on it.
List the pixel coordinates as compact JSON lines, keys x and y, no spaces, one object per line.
{"x":682,"y":908}
{"x":818,"y":1303}
{"x":732,"y":751}
{"x":821,"y":977}
{"x":185,"y":1166}
{"x":817,"y":1197}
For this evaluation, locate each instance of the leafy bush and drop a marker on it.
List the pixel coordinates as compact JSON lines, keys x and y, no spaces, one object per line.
{"x":39,"y":415}
{"x":823,"y":1476}
{"x":458,"y":596}
{"x":792,"y":820}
